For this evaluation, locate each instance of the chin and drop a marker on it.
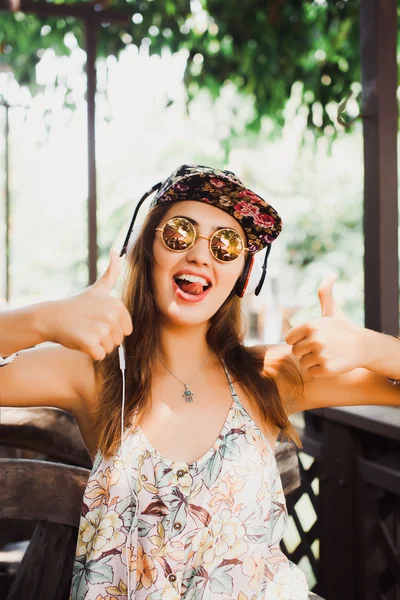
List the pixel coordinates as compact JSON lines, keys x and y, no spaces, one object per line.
{"x":174,"y":315}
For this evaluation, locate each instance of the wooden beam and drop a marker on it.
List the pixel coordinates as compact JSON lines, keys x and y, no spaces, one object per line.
{"x":79,"y":10}
{"x":7,"y":198}
{"x":378,"y":22}
{"x":91,"y":30}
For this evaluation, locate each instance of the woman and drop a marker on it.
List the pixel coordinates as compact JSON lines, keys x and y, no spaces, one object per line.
{"x":190,"y":504}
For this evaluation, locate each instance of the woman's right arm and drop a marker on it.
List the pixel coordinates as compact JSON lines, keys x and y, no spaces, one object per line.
{"x":19,"y":329}
{"x":48,"y":375}
{"x":80,"y":329}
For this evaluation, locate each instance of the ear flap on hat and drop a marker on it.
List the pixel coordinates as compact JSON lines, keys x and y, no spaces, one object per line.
{"x":243,"y":281}
{"x":139,"y":204}
{"x":263,"y":271}
{"x":133,"y":237}
{"x":253,"y":275}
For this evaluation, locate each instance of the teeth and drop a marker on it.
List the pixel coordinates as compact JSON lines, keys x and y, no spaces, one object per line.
{"x":193,"y":278}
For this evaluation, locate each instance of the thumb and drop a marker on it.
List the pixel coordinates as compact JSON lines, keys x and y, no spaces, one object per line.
{"x":325,"y":294}
{"x":107,"y":281}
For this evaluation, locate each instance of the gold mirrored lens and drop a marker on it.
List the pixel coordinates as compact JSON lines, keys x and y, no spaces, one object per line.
{"x":178,"y":234}
{"x":226,"y":245}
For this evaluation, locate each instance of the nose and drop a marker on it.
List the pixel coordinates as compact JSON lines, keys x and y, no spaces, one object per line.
{"x":200,"y":251}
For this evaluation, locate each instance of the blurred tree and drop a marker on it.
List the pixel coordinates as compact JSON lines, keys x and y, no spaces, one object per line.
{"x":263,"y":47}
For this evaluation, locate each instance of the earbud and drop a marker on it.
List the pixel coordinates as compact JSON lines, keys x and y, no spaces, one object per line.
{"x":122,"y":364}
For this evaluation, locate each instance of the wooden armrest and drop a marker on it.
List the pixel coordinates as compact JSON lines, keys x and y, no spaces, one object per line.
{"x":41,"y":490}
{"x":45,"y":429}
{"x":55,"y":432}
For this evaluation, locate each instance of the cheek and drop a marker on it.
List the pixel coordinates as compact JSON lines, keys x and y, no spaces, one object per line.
{"x":228,"y":275}
{"x":157,"y":267}
{"x":163,"y":257}
{"x":165,"y":263}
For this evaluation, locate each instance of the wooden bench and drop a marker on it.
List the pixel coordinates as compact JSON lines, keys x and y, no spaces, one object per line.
{"x":50,"y":494}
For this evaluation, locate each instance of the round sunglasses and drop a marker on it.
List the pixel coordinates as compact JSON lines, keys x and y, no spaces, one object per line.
{"x":179,"y":234}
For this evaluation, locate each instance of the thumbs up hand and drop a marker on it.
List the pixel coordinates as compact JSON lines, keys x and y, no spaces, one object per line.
{"x":92,"y":321}
{"x":110,"y":276}
{"x":329,"y":345}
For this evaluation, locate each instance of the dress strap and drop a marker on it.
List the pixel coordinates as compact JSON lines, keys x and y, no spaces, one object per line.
{"x":233,"y":392}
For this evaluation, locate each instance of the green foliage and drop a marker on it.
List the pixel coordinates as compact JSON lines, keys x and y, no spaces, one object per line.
{"x":263,"y":47}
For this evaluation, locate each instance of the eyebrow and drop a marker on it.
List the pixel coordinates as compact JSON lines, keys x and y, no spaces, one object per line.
{"x":194,"y":222}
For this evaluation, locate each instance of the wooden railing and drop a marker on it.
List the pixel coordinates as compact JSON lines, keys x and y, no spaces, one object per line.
{"x":350,"y":473}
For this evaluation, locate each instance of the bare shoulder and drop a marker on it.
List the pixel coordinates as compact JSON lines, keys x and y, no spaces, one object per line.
{"x":288,"y":373}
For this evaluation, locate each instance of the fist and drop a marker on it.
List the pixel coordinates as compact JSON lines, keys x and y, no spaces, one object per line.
{"x":92,"y":321}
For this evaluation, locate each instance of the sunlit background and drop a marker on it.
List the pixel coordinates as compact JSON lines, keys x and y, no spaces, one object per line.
{"x":144,"y":131}
{"x":316,"y":185}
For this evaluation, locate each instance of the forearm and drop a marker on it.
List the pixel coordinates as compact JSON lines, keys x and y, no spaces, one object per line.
{"x":21,"y":328}
{"x":382,"y":353}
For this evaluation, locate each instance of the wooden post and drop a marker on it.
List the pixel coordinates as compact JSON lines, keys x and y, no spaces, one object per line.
{"x":378,"y":32}
{"x":90,"y":47}
{"x":338,"y":514}
{"x":7,"y":195}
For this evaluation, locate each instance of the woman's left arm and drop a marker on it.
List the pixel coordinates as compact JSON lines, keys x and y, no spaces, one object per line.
{"x":342,"y":363}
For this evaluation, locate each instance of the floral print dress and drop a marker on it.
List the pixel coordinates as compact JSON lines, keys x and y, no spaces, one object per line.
{"x":205,"y":530}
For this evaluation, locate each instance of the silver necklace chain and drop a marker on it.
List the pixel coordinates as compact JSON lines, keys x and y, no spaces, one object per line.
{"x":187,"y":394}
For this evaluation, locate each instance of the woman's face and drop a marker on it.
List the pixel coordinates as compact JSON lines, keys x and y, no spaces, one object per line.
{"x":174,"y":304}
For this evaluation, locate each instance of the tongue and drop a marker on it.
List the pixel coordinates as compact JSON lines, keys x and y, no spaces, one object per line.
{"x":191,"y":287}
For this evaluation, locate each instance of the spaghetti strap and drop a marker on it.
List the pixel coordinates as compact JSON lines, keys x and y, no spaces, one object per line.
{"x":233,"y":392}
{"x":236,"y":398}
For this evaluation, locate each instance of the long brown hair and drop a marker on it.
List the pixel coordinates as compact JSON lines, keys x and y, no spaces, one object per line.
{"x":225,"y":337}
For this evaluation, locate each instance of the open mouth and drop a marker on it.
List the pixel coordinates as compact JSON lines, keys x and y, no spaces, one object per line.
{"x":192,"y":285}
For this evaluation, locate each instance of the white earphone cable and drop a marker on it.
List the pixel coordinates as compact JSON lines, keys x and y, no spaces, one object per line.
{"x":122,"y":365}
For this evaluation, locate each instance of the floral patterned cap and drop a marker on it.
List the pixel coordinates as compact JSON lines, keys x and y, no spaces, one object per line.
{"x":223,"y":189}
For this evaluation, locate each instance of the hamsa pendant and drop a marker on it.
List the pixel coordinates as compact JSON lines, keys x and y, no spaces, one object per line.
{"x":188,"y":394}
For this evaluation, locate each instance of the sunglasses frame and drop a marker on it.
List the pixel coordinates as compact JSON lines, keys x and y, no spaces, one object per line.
{"x":196,"y":235}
